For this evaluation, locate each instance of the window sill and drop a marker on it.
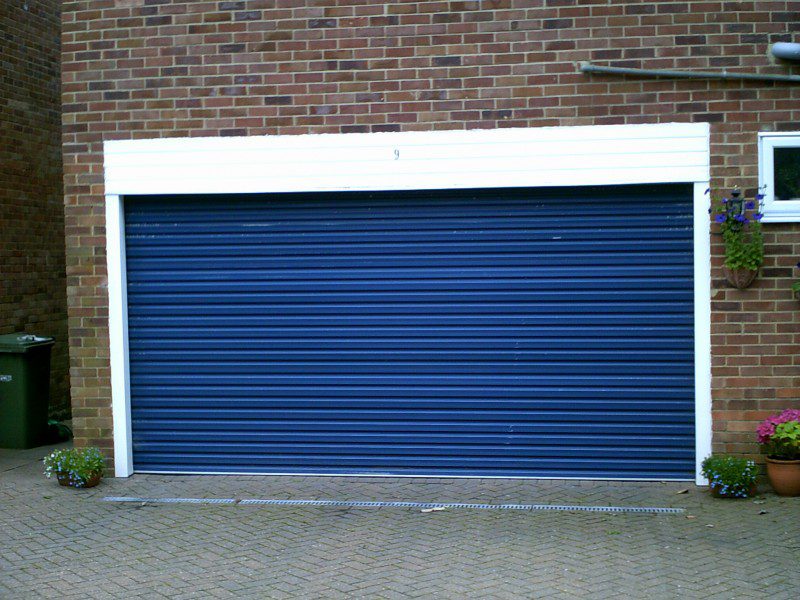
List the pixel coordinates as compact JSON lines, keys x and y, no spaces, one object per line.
{"x":781,"y":217}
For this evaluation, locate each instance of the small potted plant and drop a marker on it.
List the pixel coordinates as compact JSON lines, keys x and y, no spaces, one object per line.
{"x":75,"y":467}
{"x":740,"y":225}
{"x":730,"y":476}
{"x":780,"y":437}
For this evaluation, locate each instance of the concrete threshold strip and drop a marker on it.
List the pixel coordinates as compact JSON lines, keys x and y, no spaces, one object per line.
{"x":427,"y":506}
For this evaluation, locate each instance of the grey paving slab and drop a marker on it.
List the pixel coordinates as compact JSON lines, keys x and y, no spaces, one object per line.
{"x":57,"y":542}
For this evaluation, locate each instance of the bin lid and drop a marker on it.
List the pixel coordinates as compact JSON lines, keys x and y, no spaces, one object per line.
{"x":22,"y":342}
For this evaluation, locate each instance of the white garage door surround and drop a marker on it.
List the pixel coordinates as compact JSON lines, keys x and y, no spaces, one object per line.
{"x":501,"y":158}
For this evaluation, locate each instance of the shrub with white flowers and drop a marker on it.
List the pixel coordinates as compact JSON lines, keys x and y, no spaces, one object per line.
{"x":77,"y":465}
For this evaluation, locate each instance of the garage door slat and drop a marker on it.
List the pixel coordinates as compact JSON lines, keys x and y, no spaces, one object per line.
{"x":367,"y":275}
{"x":264,"y":356}
{"x":242,"y":394}
{"x":347,"y":421}
{"x":232,"y":343}
{"x":493,"y":466}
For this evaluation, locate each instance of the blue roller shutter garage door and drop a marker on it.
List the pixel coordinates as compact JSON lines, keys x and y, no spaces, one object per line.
{"x":521,"y":332}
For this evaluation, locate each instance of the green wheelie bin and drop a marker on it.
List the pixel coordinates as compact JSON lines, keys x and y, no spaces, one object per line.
{"x":24,"y":389}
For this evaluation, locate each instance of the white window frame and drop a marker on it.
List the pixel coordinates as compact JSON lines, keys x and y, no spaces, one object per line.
{"x":530,"y":157}
{"x":775,"y":211}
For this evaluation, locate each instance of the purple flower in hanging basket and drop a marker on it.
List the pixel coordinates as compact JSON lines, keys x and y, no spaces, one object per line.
{"x":759,"y":196}
{"x":738,"y":224}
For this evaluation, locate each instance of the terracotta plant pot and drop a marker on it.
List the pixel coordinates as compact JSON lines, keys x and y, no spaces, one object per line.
{"x":739,"y":278}
{"x":63,"y":479}
{"x":784,"y":475}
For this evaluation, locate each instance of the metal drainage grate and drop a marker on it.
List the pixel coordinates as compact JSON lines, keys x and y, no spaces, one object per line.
{"x":170,"y":500}
{"x":420,"y":505}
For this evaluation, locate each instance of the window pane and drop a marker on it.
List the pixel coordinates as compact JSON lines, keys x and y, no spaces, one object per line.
{"x":787,"y":173}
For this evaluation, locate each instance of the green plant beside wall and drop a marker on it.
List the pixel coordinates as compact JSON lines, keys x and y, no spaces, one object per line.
{"x":796,"y":286}
{"x":75,"y":467}
{"x":739,"y":223}
{"x":730,"y":476}
{"x":787,"y":436}
{"x":779,"y":435}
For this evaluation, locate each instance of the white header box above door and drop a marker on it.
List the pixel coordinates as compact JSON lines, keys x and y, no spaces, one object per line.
{"x":529,"y":157}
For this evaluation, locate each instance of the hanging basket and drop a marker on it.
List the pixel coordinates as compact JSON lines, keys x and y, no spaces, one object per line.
{"x":740,"y":278}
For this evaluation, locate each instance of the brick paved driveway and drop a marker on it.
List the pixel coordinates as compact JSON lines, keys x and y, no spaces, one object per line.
{"x":56,"y":542}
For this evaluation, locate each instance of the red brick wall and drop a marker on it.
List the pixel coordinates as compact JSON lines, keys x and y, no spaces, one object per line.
{"x":154,"y":68}
{"x":32,"y":275}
